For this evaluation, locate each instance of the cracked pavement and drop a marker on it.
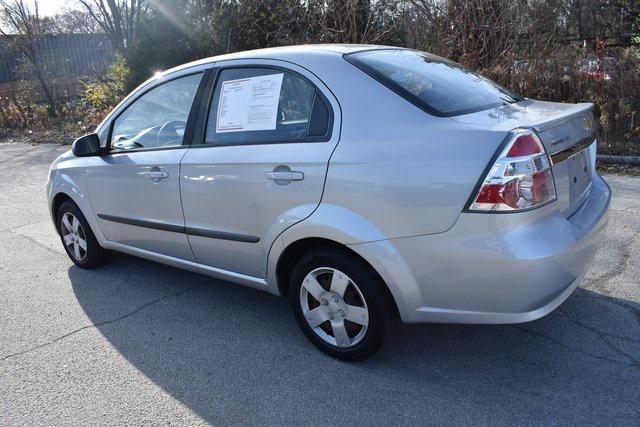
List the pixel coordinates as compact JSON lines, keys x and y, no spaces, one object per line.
{"x":141,"y":343}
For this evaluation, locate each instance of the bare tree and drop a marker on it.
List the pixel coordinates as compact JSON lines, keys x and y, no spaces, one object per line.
{"x":473,"y":32}
{"x":24,"y":28}
{"x":357,"y":21}
{"x":75,"y":21}
{"x":118,"y":18}
{"x":611,"y":21}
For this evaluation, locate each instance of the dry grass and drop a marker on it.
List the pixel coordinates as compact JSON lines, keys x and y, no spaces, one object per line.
{"x":19,"y":120}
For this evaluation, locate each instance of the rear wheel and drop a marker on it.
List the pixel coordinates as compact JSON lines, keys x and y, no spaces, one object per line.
{"x":77,"y":238}
{"x":341,"y":305}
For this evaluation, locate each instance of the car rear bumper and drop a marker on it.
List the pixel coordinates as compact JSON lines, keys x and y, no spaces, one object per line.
{"x":490,"y":268}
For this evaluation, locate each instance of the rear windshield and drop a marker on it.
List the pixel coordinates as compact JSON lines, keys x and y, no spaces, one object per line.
{"x":434,"y":84}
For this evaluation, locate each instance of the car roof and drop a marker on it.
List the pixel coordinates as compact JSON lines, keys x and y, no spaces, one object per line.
{"x":287,"y":53}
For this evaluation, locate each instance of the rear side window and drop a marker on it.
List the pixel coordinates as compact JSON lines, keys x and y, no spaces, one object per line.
{"x":434,"y":84}
{"x":265,"y":105}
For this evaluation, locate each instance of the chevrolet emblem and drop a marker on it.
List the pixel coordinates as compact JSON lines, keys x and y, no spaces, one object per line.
{"x":588,"y":123}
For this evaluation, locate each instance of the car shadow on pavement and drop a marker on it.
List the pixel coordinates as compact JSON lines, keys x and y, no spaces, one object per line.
{"x":235,"y":355}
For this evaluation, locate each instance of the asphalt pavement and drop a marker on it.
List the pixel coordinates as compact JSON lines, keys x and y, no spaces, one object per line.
{"x":138,"y":342}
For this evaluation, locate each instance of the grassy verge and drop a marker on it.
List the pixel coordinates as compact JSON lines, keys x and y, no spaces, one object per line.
{"x":64,"y":135}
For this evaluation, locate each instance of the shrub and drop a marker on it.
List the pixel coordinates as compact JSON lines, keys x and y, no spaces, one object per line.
{"x":105,"y":94}
{"x":566,"y":77}
{"x":76,"y":115}
{"x":12,"y":115}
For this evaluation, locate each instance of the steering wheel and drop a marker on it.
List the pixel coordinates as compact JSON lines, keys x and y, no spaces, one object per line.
{"x":169,"y":132}
{"x":123,"y":143}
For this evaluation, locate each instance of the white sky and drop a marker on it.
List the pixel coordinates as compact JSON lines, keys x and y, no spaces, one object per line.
{"x":50,"y":7}
{"x":53,"y":7}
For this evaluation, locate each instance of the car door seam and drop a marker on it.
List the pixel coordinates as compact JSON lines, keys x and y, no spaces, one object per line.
{"x":184,"y":218}
{"x":324,"y":185}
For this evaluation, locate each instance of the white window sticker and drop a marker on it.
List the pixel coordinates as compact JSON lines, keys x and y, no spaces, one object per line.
{"x":249,"y":104}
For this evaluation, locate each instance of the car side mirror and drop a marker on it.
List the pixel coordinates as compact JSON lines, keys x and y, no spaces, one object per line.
{"x":88,"y":145}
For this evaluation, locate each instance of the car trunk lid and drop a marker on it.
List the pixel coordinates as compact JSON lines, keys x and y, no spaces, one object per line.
{"x":567,"y":132}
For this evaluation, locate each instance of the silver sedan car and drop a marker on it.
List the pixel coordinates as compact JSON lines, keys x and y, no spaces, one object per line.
{"x":369,"y":184}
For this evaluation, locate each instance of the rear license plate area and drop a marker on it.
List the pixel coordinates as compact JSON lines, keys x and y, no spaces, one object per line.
{"x":580,"y":172}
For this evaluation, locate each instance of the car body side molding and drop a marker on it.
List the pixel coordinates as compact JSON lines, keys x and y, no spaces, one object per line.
{"x":174,"y":228}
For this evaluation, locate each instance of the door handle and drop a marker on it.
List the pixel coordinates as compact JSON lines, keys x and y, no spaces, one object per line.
{"x":285,"y":175}
{"x":156,"y":174}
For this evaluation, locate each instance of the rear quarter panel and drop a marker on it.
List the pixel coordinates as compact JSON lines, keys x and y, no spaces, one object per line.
{"x":403,"y":171}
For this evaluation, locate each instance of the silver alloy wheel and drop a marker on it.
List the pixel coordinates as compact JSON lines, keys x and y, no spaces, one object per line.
{"x":334,"y":307}
{"x":74,"y":237}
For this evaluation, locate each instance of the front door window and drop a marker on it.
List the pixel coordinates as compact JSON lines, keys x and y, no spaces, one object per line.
{"x":158,"y":118}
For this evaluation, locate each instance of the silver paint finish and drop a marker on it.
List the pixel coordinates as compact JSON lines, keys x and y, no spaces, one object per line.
{"x":241,"y":279}
{"x":505,"y":268}
{"x":391,"y":185}
{"x":119,"y":185}
{"x":230,"y":189}
{"x":406,"y":172}
{"x":67,"y":178}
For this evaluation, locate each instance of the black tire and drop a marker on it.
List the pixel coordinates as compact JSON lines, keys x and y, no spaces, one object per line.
{"x":382,"y":313}
{"x":94,"y":255}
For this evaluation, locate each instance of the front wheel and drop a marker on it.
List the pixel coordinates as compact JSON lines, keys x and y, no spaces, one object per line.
{"x":79,"y":241}
{"x":341,"y":305}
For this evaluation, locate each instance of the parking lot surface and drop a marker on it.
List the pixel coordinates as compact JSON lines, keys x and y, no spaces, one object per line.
{"x":138,"y":342}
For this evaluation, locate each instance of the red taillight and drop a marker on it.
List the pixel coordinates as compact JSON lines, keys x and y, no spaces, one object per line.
{"x":489,"y":193}
{"x":520,"y":178}
{"x":500,"y":193}
{"x":542,"y":186}
{"x":525,"y":145}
